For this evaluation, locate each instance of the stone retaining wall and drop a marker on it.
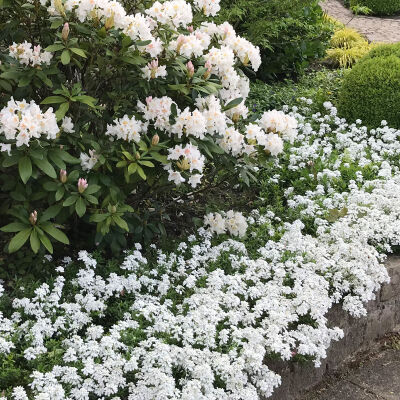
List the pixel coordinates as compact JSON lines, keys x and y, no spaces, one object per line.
{"x":359,"y":333}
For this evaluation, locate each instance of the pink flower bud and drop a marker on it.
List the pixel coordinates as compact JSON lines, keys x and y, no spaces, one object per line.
{"x":63,"y":176}
{"x":179,"y":42}
{"x":149,"y":99}
{"x":82,"y":185}
{"x":155,"y":140}
{"x":153,"y":66}
{"x":65,"y":32}
{"x":190,"y":69}
{"x":33,"y":218}
{"x":208,"y":72}
{"x":190,"y":28}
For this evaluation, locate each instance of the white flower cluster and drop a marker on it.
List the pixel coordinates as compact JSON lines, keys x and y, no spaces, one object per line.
{"x":209,"y":7}
{"x":27,"y":54}
{"x":174,"y":13}
{"x":88,"y":161}
{"x":21,"y":121}
{"x":232,"y":222}
{"x":125,"y":128}
{"x":188,"y":159}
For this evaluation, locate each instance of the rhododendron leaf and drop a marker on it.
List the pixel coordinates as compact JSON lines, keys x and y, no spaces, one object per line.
{"x":159,"y":157}
{"x":120,"y":222}
{"x":233,"y":103}
{"x":146,"y":163}
{"x":10,"y":75}
{"x":46,"y":242}
{"x":62,"y":110}
{"x":5,"y":85}
{"x":142,"y":146}
{"x":90,"y":198}
{"x":134,"y":60}
{"x":14,"y":227}
{"x":35,"y":242}
{"x":98,"y":217}
{"x":9,"y":161}
{"x":141,"y":172}
{"x":65,"y":57}
{"x":25,"y":81}
{"x":46,"y":167}
{"x":54,"y":25}
{"x":70,"y":200}
{"x":80,"y":207}
{"x":50,"y":212}
{"x":126,"y":41}
{"x":44,"y":78}
{"x":121,"y":164}
{"x":65,"y":156}
{"x":92,"y":189}
{"x":25,"y":168}
{"x":79,"y":52}
{"x":57,"y":160}
{"x":60,"y":193}
{"x":88,"y":100}
{"x":56,"y":233}
{"x":54,"y":47}
{"x":141,"y":43}
{"x":19,"y":240}
{"x":53,"y":100}
{"x":128,"y":155}
{"x":132,"y":168}
{"x":51,"y":186}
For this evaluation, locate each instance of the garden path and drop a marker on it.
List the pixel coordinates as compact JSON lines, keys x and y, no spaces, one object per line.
{"x":375,"y":29}
{"x":375,"y":376}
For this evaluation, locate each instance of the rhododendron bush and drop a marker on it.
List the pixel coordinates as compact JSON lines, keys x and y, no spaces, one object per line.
{"x":108,"y":106}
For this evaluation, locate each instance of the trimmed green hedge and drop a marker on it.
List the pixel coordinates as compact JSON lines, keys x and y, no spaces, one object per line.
{"x":371,"y":92}
{"x":384,"y":50}
{"x":379,"y":7}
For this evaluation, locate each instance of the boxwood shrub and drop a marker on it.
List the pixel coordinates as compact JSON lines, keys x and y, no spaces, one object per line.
{"x":371,"y":92}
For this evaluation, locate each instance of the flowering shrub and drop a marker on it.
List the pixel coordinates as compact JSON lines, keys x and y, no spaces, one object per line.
{"x":199,"y":322}
{"x":107,"y":110}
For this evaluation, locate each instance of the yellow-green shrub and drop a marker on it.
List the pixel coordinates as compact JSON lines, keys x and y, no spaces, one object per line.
{"x":347,"y":47}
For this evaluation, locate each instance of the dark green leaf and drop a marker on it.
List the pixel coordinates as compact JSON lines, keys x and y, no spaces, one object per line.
{"x":25,"y":168}
{"x":80,"y":207}
{"x":46,"y":167}
{"x":19,"y":240}
{"x":14,"y":227}
{"x":56,"y":233}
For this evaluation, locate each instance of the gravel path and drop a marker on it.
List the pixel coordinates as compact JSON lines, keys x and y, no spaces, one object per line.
{"x":375,"y":29}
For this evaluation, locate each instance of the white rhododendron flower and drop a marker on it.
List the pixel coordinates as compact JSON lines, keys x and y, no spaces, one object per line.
{"x":126,"y":128}
{"x":67,"y":125}
{"x":209,"y":7}
{"x":27,"y":54}
{"x":190,"y":124}
{"x":279,"y":122}
{"x":153,"y":70}
{"x":88,"y":161}
{"x":174,"y":13}
{"x":21,"y":122}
